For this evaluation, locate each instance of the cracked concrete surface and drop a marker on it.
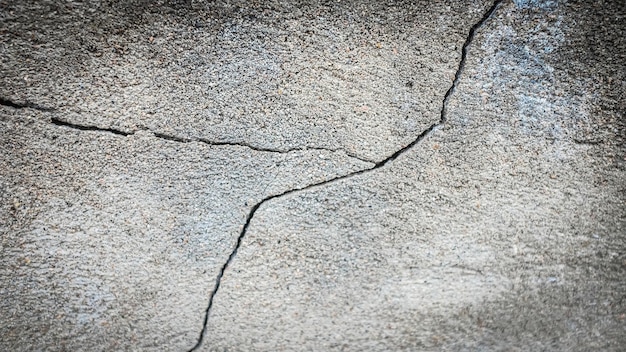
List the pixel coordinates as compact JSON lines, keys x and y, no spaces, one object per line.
{"x":361,"y":77}
{"x":516,"y":245}
{"x":108,"y":240}
{"x":501,"y":229}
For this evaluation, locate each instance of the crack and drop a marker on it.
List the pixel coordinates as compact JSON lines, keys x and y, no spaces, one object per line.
{"x":464,"y":49}
{"x":178,"y":139}
{"x":172,"y":138}
{"x":59,"y":122}
{"x":380,"y":164}
{"x":26,"y":105}
{"x":587,"y":141}
{"x":276,"y":150}
{"x":467,"y":268}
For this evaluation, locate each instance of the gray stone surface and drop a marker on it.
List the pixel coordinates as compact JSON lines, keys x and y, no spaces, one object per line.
{"x":502,"y":229}
{"x":112,"y":242}
{"x":362,"y":77}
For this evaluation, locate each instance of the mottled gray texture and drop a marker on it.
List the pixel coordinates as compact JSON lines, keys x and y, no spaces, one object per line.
{"x":362,"y":77}
{"x":503,"y":229}
{"x":113,"y":242}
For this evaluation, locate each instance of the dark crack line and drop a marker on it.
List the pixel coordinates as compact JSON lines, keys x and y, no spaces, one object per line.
{"x":392,"y":157}
{"x":280,"y":151}
{"x":12,"y":104}
{"x":259,"y":149}
{"x":172,"y":138}
{"x":178,"y":139}
{"x":587,"y":141}
{"x":58,"y":122}
{"x":464,"y":49}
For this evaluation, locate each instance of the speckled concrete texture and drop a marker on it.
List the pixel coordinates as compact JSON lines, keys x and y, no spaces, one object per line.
{"x":364,"y":77}
{"x":305,"y":176}
{"x":114,"y":242}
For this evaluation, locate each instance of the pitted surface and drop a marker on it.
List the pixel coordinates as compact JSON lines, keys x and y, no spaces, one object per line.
{"x":309,"y":158}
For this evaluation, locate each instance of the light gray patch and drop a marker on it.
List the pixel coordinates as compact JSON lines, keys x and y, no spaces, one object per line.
{"x":542,"y":4}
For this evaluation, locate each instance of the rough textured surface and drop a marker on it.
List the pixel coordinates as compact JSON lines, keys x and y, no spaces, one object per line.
{"x":113,"y":242}
{"x":363,"y":77}
{"x":503,"y":229}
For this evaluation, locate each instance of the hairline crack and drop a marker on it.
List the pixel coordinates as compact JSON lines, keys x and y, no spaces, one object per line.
{"x":443,"y":118}
{"x":60,"y":122}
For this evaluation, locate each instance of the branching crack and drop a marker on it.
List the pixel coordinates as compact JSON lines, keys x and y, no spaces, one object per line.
{"x":392,"y":157}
